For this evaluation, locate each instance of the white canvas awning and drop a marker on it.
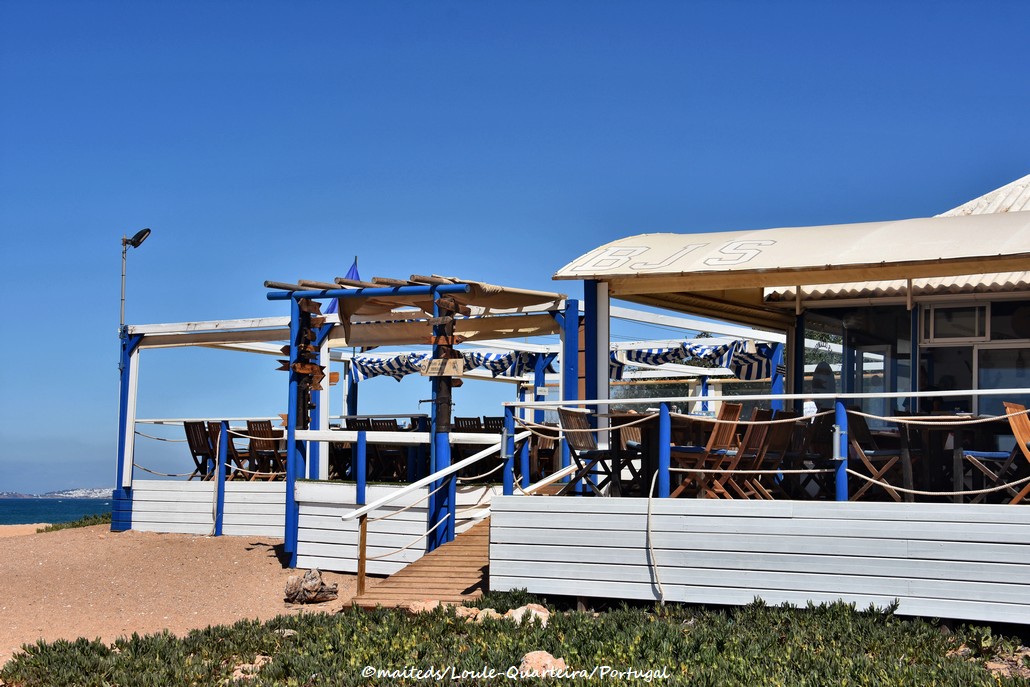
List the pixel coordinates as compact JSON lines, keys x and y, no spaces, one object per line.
{"x":725,"y":274}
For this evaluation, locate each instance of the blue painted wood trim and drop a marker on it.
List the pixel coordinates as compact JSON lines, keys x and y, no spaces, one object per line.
{"x":841,"y":476}
{"x":777,"y":377}
{"x":664,"y":450}
{"x":508,"y":481}
{"x":590,"y":325}
{"x":293,"y":461}
{"x":441,"y":501}
{"x":361,"y":468}
{"x":121,"y":510}
{"x":127,"y":345}
{"x":223,"y":454}
{"x":570,"y":365}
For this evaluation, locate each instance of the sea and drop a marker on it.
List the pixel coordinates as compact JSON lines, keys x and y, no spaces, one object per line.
{"x":22,"y":511}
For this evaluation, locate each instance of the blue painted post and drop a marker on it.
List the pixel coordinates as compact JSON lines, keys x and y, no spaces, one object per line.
{"x":293,"y":461}
{"x":664,"y":450}
{"x":508,"y":449}
{"x":704,"y":393}
{"x":360,"y":468}
{"x":223,"y":455}
{"x":352,"y":390}
{"x":841,"y":418}
{"x":777,"y":377}
{"x":570,"y":365}
{"x":443,"y":502}
{"x":121,"y":506}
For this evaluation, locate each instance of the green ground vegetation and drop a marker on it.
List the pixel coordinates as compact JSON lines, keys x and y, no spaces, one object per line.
{"x":832,"y":644}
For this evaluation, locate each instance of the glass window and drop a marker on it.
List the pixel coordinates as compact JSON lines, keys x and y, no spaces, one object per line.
{"x":1010,"y":320}
{"x":1002,"y":368}
{"x":958,"y":323}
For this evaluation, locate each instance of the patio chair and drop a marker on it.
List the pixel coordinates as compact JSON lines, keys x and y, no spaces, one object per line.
{"x":467,"y":424}
{"x":237,"y":465}
{"x":493,"y":424}
{"x":593,"y":464}
{"x":770,"y":457}
{"x":198,"y":439}
{"x":390,"y":461}
{"x":726,"y":484}
{"x":1020,"y":423}
{"x":268,"y":459}
{"x":882,"y":465}
{"x":811,"y":447}
{"x":722,"y":440}
{"x":543,"y":444}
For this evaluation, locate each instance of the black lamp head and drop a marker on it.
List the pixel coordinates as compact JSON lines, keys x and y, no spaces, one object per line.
{"x":138,"y":238}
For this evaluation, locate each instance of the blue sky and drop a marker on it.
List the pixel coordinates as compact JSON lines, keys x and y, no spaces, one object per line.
{"x":489,"y":140}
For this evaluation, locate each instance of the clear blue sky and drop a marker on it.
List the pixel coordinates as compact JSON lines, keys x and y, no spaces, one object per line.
{"x":488,"y":140}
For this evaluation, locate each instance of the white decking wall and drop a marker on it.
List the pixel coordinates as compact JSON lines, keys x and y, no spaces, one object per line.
{"x":254,"y":509}
{"x":970,"y":562}
{"x":167,"y":506}
{"x":326,"y":542}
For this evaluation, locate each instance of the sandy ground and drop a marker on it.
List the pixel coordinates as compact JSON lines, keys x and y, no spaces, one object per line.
{"x":91,"y":582}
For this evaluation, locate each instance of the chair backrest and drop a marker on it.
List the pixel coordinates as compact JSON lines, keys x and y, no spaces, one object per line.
{"x":574,"y":420}
{"x":858,"y":431}
{"x":754,"y":436}
{"x":724,"y":433}
{"x":385,"y":424}
{"x":215,"y":430}
{"x":467,"y":424}
{"x":359,"y":423}
{"x":777,"y":442}
{"x":629,"y":433}
{"x":262,"y":436}
{"x":1020,"y":424}
{"x":198,"y":439}
{"x":493,"y":424}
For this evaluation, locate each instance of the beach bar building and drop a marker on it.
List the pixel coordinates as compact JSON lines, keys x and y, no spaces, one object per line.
{"x":933,"y":316}
{"x":896,"y":474}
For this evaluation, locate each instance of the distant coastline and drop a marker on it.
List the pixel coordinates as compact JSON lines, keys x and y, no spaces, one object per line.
{"x":52,"y":508}
{"x":92,"y":493}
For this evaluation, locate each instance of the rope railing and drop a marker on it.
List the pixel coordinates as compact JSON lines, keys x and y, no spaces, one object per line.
{"x":151,"y":436}
{"x":442,"y":520}
{"x":409,"y":506}
{"x":919,"y":492}
{"x":162,"y":474}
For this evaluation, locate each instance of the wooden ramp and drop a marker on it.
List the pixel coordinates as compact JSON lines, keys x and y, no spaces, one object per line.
{"x":453,"y":573}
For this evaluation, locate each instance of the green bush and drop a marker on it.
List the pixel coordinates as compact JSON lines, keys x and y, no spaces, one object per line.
{"x":86,"y":521}
{"x":829,"y":644}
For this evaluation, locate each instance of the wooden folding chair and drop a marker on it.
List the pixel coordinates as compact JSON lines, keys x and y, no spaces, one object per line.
{"x":770,"y":457}
{"x":198,"y":439}
{"x":593,"y":465}
{"x":237,"y":465}
{"x":726,"y":484}
{"x":493,"y":424}
{"x":467,"y":424}
{"x":881,"y":465}
{"x":722,"y":440}
{"x":269,"y":461}
{"x":1020,"y":424}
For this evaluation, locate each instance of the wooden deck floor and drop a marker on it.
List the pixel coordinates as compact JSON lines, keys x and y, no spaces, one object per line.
{"x":453,"y":573}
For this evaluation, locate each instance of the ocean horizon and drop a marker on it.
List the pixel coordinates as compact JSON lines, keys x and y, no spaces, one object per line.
{"x":52,"y":510}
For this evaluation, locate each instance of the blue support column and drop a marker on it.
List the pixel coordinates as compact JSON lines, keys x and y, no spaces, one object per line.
{"x":223,"y":454}
{"x":590,"y":352}
{"x":704,"y":393}
{"x":569,"y":364}
{"x":361,"y":468}
{"x":121,"y":497}
{"x":294,"y":462}
{"x":319,"y":398}
{"x":841,"y":420}
{"x":352,"y":390}
{"x":508,"y":448}
{"x":664,"y":450}
{"x":442,"y":501}
{"x":777,"y":386}
{"x":540,"y":363}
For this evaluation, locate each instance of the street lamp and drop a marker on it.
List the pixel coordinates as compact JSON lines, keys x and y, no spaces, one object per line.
{"x":138,"y":238}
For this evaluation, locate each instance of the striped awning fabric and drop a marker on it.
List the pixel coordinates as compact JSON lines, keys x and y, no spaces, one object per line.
{"x":734,"y":356}
{"x":508,"y":364}
{"x":398,"y":367}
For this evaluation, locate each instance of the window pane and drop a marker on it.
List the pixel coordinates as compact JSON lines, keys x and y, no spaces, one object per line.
{"x":1003,"y":369}
{"x":1010,"y":320}
{"x":955,"y":323}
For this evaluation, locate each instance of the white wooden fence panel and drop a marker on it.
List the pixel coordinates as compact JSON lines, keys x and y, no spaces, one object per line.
{"x":254,"y":509}
{"x":167,"y":506}
{"x":948,"y":560}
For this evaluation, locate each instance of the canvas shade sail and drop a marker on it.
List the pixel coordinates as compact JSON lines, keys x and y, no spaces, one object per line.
{"x":744,"y":361}
{"x":508,"y":364}
{"x":725,"y":274}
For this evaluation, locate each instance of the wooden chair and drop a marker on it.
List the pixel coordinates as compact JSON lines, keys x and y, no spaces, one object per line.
{"x":237,"y":465}
{"x":726,"y":484}
{"x":390,"y":462}
{"x":591,"y":462}
{"x":543,"y":446}
{"x":268,"y":459}
{"x":722,"y":440}
{"x":203,"y":453}
{"x":882,"y":465}
{"x":770,"y":457}
{"x":467,"y":424}
{"x":493,"y":424}
{"x":1020,"y":423}
{"x":811,"y":447}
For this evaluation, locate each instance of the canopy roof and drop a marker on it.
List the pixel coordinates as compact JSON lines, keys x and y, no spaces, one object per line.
{"x":725,"y":274}
{"x":400,"y":318}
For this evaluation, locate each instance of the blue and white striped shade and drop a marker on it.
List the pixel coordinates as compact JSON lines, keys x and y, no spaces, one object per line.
{"x":732,"y":356}
{"x":510,"y":364}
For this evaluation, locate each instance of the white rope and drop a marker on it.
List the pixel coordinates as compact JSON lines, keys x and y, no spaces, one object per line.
{"x":944,"y":421}
{"x":252,"y":472}
{"x":650,"y":541}
{"x":917,"y":492}
{"x":408,"y":546}
{"x":409,"y":506}
{"x":150,"y":436}
{"x":164,"y":474}
{"x":485,"y":474}
{"x":719,"y":471}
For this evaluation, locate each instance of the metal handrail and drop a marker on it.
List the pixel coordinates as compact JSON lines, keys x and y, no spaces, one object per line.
{"x":439,"y":474}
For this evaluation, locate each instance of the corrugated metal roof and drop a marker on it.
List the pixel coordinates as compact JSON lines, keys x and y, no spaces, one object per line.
{"x":1010,"y":198}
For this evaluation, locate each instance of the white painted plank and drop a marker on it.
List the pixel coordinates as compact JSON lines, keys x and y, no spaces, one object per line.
{"x":256,"y":508}
{"x":172,"y":497}
{"x":350,"y":537}
{"x":171,"y":485}
{"x":335,"y":511}
{"x":345,"y":493}
{"x":246,"y":530}
{"x":770,"y":562}
{"x":759,"y":543}
{"x":978,"y":611}
{"x":173,"y":528}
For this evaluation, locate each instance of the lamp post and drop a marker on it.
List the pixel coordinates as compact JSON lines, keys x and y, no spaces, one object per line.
{"x":138,"y":238}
